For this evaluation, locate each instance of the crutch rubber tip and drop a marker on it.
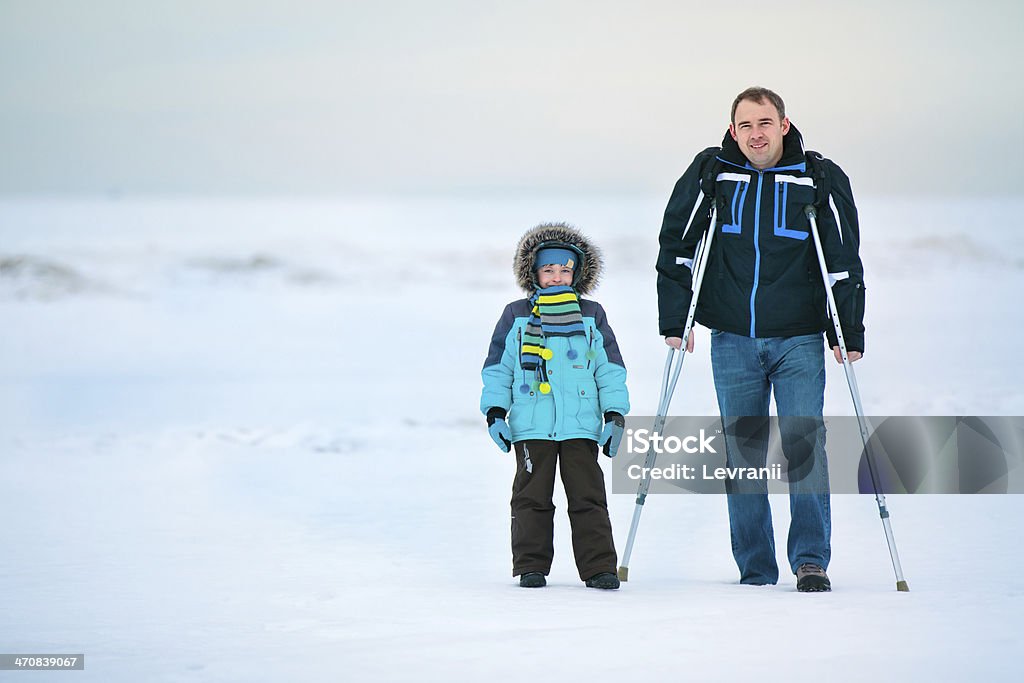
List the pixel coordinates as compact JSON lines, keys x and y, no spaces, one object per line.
{"x":902,"y":587}
{"x":623,"y":573}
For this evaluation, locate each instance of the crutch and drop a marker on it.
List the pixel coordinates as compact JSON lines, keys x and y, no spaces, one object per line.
{"x":668,"y":388}
{"x":851,"y":379}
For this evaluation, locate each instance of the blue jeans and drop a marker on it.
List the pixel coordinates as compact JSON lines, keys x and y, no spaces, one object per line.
{"x":746,"y":370}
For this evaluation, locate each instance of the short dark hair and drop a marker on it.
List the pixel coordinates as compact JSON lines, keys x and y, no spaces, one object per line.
{"x":759,"y":95}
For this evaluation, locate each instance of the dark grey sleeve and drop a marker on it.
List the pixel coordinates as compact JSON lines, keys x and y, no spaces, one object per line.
{"x":497,"y":346}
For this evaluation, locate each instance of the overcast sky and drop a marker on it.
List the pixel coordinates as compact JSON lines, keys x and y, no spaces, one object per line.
{"x":390,"y":96}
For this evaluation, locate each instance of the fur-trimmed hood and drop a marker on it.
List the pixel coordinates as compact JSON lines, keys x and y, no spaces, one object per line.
{"x":589,"y":272}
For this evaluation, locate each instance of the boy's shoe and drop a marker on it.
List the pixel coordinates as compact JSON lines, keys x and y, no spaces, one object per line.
{"x":532,"y":580}
{"x":810,"y":578}
{"x":605,"y":580}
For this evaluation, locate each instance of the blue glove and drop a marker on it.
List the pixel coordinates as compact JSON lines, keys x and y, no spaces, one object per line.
{"x":498,"y":429}
{"x":611,"y":435}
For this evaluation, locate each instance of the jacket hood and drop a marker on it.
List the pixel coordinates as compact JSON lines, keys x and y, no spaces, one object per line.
{"x":587,"y":273}
{"x":792,"y":149}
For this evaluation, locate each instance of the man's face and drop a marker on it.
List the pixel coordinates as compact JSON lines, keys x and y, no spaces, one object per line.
{"x":759,"y":132}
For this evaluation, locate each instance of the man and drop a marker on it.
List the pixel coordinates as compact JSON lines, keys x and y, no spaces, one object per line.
{"x":764,"y":300}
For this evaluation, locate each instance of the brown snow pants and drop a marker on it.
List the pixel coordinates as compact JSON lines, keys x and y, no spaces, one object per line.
{"x":533,"y":511}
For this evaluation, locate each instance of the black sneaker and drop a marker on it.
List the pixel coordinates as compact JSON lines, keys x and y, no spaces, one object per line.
{"x":810,"y":578}
{"x":532,"y":580}
{"x":605,"y":580}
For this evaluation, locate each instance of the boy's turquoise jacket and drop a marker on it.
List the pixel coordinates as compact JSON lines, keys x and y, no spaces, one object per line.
{"x":583,"y":388}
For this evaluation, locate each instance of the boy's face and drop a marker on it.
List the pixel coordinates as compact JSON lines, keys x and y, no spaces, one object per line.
{"x":554,"y":276}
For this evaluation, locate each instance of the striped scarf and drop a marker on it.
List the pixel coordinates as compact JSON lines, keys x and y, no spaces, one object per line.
{"x":556,"y":313}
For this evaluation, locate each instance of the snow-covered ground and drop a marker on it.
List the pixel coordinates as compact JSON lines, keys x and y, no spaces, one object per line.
{"x":239,"y":441}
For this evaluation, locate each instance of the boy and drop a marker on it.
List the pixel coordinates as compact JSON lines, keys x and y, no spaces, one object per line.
{"x":554,"y":370}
